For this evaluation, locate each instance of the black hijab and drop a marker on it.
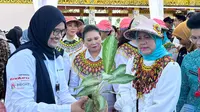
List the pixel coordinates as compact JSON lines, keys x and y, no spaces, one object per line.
{"x":41,"y":26}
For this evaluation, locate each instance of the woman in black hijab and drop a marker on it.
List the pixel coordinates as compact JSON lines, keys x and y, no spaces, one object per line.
{"x":14,"y":36}
{"x":38,"y":82}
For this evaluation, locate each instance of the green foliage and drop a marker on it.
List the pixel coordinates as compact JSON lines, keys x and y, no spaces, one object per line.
{"x":122,"y":79}
{"x":87,"y":90}
{"x":89,"y":81}
{"x":109,"y":51}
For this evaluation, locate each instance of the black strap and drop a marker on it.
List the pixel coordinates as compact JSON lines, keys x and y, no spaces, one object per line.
{"x":44,"y":87}
{"x":69,"y":76}
{"x":137,"y":105}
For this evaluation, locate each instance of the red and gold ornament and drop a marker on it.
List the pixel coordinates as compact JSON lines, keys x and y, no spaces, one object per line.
{"x":86,"y":67}
{"x":148,"y":76}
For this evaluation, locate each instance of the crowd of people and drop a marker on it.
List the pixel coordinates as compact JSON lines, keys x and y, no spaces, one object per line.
{"x":41,"y":66}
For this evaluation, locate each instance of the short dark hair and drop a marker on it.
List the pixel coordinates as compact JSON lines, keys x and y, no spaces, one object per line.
{"x":89,"y":28}
{"x":180,"y":17}
{"x":168,"y":20}
{"x":194,"y":21}
{"x":190,"y":14}
{"x":81,"y":20}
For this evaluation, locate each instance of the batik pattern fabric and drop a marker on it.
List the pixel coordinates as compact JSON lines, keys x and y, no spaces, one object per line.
{"x":190,"y":84}
{"x":148,"y":76}
{"x":4,"y":54}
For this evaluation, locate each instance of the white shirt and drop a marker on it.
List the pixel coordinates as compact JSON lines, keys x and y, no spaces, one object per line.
{"x":21,"y":85}
{"x":163,"y":98}
{"x":176,"y":42}
{"x":75,"y":81}
{"x":12,"y":47}
{"x":88,"y":56}
{"x":121,"y":59}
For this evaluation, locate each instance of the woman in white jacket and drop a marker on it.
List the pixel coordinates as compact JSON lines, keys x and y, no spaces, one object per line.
{"x":35,"y":73}
{"x":158,"y":78}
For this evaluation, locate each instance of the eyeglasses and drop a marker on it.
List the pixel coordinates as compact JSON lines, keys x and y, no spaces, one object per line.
{"x":194,"y":39}
{"x":56,"y":32}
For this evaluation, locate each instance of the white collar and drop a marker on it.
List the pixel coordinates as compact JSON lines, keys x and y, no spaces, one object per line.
{"x":148,"y":63}
{"x":132,"y":43}
{"x":75,"y":38}
{"x":88,"y":55}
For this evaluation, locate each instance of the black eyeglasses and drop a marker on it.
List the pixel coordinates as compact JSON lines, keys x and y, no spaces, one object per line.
{"x":56,"y":32}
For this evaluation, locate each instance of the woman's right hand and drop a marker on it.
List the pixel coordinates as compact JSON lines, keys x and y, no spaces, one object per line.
{"x":78,"y":106}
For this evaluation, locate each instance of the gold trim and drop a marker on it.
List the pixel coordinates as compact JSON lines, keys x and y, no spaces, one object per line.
{"x":16,"y":2}
{"x":112,"y":2}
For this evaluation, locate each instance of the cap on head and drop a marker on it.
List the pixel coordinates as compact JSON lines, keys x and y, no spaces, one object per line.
{"x":161,"y":23}
{"x":104,"y":25}
{"x":73,"y":19}
{"x":142,"y":23}
{"x":125,"y":22}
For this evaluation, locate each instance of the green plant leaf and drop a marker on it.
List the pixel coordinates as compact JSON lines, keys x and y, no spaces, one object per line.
{"x":89,"y":106}
{"x":87,"y":91}
{"x":106,"y":76}
{"x":89,"y":81}
{"x":122,"y":79}
{"x":112,"y":92}
{"x":121,"y":69}
{"x":109,"y":51}
{"x":100,"y":102}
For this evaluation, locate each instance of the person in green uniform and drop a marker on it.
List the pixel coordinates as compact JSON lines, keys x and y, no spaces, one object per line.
{"x":189,"y":100}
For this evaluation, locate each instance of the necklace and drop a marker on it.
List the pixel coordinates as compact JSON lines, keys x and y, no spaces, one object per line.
{"x":84,"y":66}
{"x":147,"y":76}
{"x":70,"y":46}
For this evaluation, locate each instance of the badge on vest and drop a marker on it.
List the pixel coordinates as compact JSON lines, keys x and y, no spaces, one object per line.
{"x":188,"y":108}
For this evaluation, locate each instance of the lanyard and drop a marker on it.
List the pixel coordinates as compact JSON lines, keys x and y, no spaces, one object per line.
{"x":57,"y":85}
